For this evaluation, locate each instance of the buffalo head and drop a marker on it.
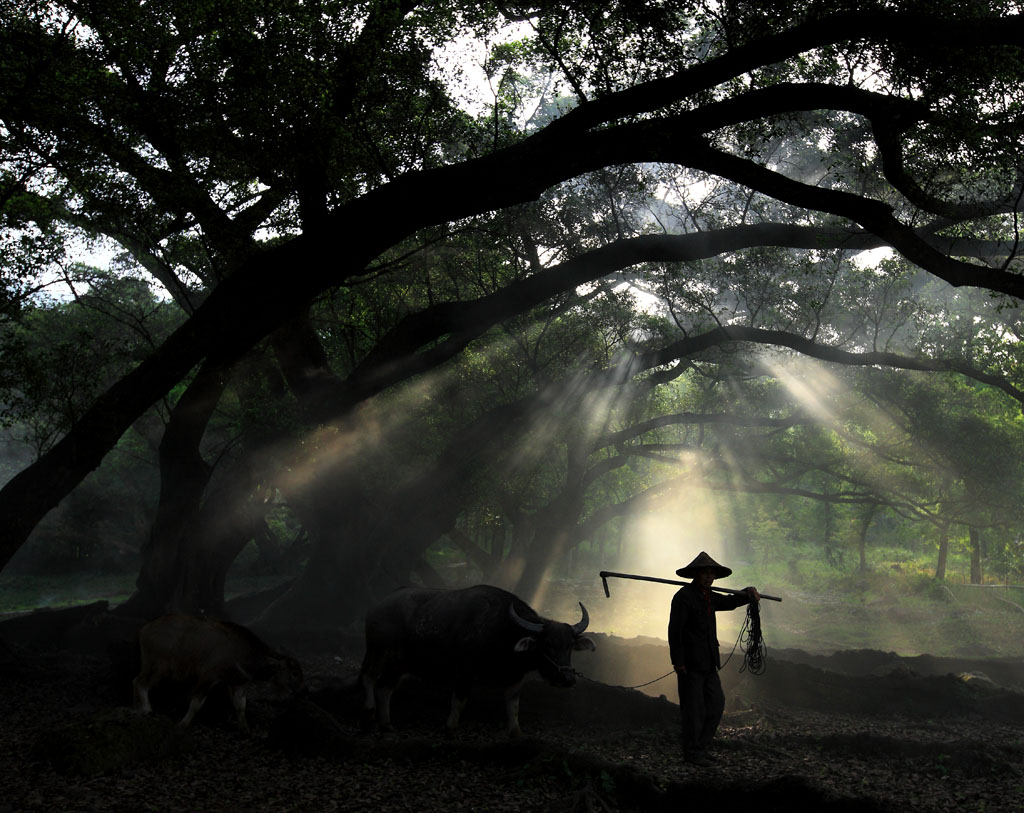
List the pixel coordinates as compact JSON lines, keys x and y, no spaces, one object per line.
{"x":552,"y":644}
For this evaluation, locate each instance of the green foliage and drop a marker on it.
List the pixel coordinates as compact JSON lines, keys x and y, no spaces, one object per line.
{"x":215,"y":142}
{"x":60,"y":355}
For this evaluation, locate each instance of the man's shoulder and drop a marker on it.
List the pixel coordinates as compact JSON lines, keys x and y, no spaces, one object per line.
{"x":684,"y":593}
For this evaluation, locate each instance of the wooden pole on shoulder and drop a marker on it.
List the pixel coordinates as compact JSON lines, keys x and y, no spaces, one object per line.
{"x":607,"y":574}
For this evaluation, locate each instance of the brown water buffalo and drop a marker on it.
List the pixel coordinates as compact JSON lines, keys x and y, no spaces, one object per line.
{"x":461,"y":638}
{"x":203,"y":652}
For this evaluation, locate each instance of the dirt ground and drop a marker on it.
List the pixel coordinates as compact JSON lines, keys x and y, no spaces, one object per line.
{"x":860,"y":730}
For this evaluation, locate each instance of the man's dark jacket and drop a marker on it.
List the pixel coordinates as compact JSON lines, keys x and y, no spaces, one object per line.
{"x":692,"y":631}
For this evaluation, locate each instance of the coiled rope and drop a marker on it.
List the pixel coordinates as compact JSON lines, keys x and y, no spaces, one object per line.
{"x":752,"y":642}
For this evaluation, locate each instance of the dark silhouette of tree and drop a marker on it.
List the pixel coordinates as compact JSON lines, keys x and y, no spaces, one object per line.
{"x":182,"y":136}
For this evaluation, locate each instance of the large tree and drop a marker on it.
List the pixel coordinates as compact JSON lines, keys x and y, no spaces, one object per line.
{"x":293,"y":148}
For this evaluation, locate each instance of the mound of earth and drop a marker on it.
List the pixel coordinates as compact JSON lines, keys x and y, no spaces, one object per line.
{"x":862,"y":681}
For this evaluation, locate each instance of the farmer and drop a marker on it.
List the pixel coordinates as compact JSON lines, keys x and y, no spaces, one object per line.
{"x":693,"y":645}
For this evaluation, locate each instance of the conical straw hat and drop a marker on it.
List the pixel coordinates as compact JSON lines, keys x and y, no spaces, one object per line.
{"x":702,"y":561}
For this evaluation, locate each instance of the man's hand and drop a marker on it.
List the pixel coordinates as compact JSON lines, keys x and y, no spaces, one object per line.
{"x":754,"y":595}
{"x":680,"y":669}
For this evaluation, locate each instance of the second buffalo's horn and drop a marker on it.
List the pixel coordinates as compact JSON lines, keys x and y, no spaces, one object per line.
{"x":581,"y":626}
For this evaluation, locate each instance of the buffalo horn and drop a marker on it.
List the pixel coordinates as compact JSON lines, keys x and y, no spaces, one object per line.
{"x":532,"y":626}
{"x":580,"y":627}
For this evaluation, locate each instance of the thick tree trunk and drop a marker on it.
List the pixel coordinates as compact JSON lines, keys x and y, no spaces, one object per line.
{"x":341,"y":578}
{"x":555,"y":533}
{"x":481,"y":558}
{"x":184,"y":476}
{"x":520,"y":534}
{"x":555,"y":527}
{"x":198,"y":530}
{"x":368,"y":542}
{"x":307,"y":371}
{"x":549,"y":547}
{"x":228,"y":521}
{"x":334,"y":504}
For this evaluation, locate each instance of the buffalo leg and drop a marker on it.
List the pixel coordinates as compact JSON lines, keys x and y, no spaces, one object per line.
{"x":147,"y":678}
{"x":376,"y":702}
{"x":512,"y":709}
{"x":380,"y":674}
{"x":369,"y":701}
{"x":459,"y":699}
{"x":391,"y":674}
{"x":238,"y":700}
{"x":141,"y":687}
{"x":198,"y":698}
{"x":382,"y":695}
{"x":368,"y":686}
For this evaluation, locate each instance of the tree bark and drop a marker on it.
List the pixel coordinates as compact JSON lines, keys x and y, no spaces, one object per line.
{"x":484,"y":560}
{"x":228,"y":521}
{"x":202,"y":522}
{"x":184,"y":476}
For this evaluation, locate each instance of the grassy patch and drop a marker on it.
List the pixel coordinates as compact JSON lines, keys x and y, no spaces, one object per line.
{"x":22,"y":593}
{"x":906,"y":612}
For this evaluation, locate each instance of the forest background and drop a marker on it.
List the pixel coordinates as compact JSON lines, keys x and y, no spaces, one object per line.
{"x":440,"y":293}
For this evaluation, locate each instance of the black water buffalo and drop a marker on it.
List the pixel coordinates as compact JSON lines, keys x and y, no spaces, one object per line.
{"x":478,"y":635}
{"x":202,"y":652}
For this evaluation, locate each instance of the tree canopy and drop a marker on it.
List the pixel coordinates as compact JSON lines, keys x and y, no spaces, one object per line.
{"x":630,"y":197}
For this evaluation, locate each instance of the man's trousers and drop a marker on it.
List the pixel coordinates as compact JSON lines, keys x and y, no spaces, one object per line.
{"x":701,"y":704}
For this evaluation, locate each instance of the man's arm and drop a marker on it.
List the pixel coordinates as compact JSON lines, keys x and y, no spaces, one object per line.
{"x":733,"y":600}
{"x":676,"y":622}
